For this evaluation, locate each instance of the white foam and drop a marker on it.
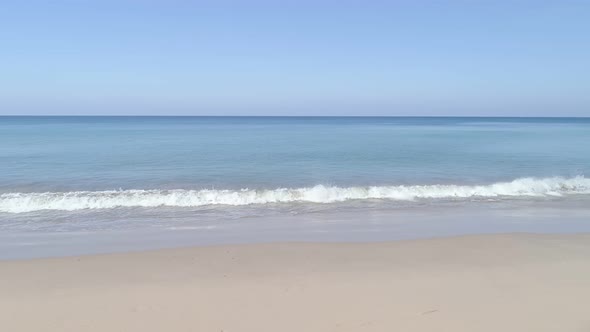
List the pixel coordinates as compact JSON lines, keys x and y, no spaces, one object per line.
{"x":78,"y":200}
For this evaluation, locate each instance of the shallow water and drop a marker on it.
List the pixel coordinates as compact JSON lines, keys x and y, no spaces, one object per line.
{"x":211,"y":179}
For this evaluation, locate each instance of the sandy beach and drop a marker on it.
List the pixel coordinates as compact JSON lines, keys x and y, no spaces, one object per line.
{"x":509,"y":282}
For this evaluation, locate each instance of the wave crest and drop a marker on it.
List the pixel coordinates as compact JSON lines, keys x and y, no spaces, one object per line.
{"x":79,"y":200}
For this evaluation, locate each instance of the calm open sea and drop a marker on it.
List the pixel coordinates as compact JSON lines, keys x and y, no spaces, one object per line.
{"x":224,"y":179}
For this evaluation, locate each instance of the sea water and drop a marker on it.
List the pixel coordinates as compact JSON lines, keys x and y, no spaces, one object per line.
{"x":76,"y":182}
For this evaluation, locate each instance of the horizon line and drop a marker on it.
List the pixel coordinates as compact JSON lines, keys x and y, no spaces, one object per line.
{"x":292,"y":116}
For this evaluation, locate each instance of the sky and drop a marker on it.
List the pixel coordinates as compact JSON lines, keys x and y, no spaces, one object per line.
{"x":408,"y":58}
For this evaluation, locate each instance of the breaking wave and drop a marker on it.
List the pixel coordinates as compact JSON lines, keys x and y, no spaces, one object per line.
{"x":78,"y":200}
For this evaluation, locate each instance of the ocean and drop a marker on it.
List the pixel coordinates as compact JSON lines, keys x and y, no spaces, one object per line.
{"x":73,"y":185}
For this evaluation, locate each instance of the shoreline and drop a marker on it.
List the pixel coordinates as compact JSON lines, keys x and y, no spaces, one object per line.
{"x":22,"y":239}
{"x":500,"y":282}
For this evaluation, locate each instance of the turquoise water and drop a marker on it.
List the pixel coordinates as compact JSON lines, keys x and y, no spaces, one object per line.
{"x":104,"y":153}
{"x":97,"y":174}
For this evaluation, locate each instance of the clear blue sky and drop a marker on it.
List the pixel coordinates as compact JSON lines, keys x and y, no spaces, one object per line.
{"x":516,"y":58}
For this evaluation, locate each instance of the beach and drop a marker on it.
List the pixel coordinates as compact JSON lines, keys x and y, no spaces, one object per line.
{"x":503,"y":282}
{"x":295,"y":166}
{"x":294,"y":224}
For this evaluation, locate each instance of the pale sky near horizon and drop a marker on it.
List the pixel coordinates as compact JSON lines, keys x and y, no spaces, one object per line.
{"x":481,"y":58}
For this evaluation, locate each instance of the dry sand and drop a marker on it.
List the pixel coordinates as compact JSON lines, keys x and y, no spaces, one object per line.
{"x":474,"y":283}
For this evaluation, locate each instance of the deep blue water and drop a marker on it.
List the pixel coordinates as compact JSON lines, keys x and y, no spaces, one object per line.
{"x":104,"y":153}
